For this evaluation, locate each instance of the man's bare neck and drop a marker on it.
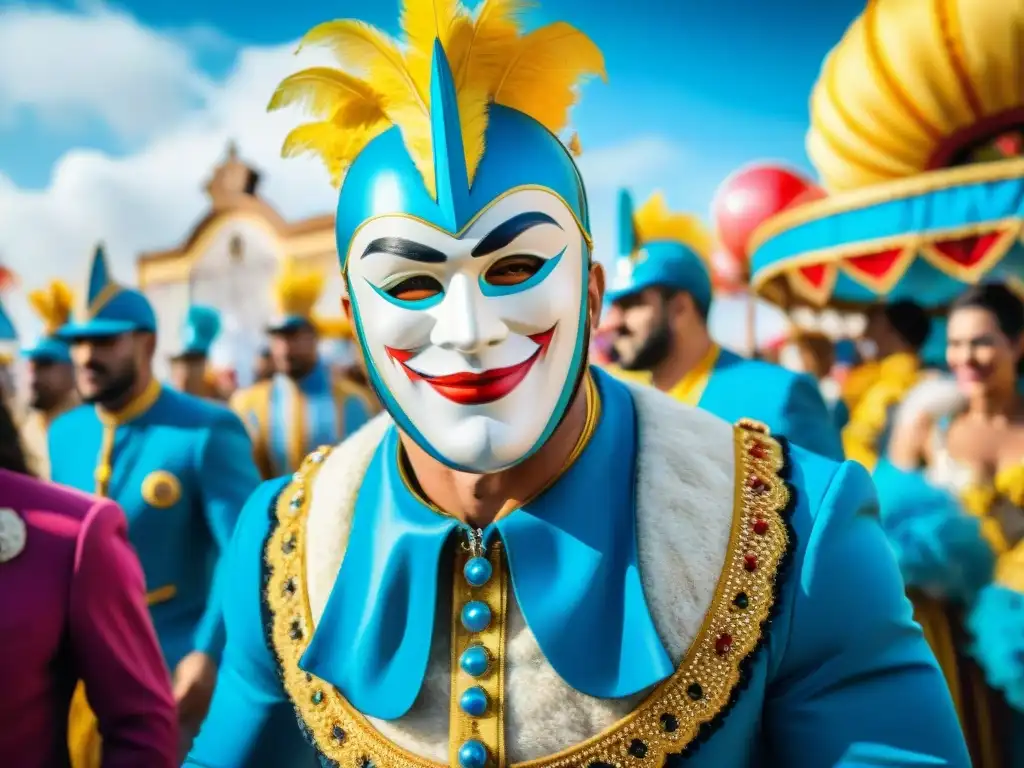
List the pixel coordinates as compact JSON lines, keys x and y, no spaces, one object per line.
{"x":479,"y":499}
{"x":686,"y":356}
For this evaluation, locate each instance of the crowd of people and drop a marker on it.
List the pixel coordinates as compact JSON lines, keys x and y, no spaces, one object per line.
{"x":544,"y":519}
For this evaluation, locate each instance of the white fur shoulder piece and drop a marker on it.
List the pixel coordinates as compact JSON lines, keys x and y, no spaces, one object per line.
{"x":709,"y":516}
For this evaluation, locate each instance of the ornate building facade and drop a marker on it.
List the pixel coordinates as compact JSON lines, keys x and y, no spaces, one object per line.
{"x":228,"y":261}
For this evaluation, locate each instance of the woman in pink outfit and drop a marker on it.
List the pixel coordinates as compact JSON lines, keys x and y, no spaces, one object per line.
{"x":73,"y":607}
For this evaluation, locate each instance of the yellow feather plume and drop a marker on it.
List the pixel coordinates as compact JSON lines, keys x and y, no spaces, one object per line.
{"x":297,"y":290}
{"x":53,"y":304}
{"x":333,"y":327}
{"x":540,"y":79}
{"x":654,"y":222}
{"x":574,"y":145}
{"x":382,"y":83}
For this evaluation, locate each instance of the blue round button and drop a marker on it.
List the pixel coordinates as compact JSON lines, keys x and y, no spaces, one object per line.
{"x":474,"y":701}
{"x":472,"y":754}
{"x":475,"y":660}
{"x":478,"y":571}
{"x":476,"y":616}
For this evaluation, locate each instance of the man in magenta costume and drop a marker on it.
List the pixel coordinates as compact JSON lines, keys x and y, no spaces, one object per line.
{"x":73,"y":606}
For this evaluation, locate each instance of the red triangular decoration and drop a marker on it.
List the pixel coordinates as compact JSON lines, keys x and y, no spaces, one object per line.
{"x":967,"y":251}
{"x":815,"y":274}
{"x":875,"y":265}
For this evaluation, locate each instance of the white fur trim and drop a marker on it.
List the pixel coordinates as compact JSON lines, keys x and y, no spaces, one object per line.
{"x":685,"y":489}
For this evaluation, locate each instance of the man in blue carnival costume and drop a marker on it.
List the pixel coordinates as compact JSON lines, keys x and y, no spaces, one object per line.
{"x":51,"y":375}
{"x":190,"y":366}
{"x":526,"y":559}
{"x":180,"y":467}
{"x":659,"y":304}
{"x":303,"y":404}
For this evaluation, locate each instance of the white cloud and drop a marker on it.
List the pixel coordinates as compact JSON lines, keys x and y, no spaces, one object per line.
{"x":150,"y":199}
{"x":95,"y":64}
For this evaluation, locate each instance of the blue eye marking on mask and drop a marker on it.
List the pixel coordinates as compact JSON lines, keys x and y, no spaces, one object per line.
{"x":494,"y":291}
{"x":415,"y":304}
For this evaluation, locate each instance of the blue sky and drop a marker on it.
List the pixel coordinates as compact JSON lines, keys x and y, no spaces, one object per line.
{"x":113,"y":113}
{"x":731,"y":78}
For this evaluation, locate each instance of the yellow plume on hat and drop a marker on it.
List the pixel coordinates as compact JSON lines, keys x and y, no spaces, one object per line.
{"x":297,"y":290}
{"x":53,"y":304}
{"x":654,"y":222}
{"x":384,"y":83}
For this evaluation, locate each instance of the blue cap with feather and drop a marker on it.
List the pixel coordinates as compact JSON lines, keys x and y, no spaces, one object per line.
{"x":199,"y":331}
{"x":53,"y":305}
{"x":658,"y":248}
{"x":438,"y":130}
{"x":108,"y":309}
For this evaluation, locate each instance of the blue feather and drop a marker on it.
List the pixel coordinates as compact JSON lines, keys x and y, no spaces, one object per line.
{"x":939,"y":547}
{"x":996,"y":626}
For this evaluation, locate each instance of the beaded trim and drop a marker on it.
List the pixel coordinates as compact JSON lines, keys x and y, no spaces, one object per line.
{"x":676,"y":714}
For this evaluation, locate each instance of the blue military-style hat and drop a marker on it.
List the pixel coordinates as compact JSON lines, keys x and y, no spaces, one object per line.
{"x":659,"y":248}
{"x":201,"y":327}
{"x":53,"y":305}
{"x":108,"y":308}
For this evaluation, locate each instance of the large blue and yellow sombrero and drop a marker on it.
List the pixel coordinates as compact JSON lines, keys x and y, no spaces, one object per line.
{"x":107,"y":308}
{"x":917,"y":133}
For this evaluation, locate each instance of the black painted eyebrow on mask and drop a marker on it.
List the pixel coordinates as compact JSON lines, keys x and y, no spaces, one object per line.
{"x":507,"y":231}
{"x":405,"y":249}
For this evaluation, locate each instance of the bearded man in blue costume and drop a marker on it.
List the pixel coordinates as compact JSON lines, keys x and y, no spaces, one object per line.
{"x":526,"y":560}
{"x":181,"y":469}
{"x":302,"y":404}
{"x":190,"y":371}
{"x":659,"y":304}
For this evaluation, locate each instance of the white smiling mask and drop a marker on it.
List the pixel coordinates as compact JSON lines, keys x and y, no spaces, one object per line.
{"x":474,"y":343}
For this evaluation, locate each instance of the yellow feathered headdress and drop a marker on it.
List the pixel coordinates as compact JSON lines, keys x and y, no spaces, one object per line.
{"x":297,"y":290}
{"x":53,"y":304}
{"x":654,"y":222}
{"x":382,"y":83}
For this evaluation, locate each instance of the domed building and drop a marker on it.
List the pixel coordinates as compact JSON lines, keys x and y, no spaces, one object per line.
{"x":229,"y":260}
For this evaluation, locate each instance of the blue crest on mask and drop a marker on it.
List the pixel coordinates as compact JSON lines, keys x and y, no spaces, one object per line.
{"x":519,"y":153}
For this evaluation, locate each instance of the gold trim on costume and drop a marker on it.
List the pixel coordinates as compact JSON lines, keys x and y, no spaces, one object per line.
{"x":690,"y":388}
{"x":665,"y":723}
{"x":161,"y":595}
{"x":111,"y":420}
{"x":490,"y":728}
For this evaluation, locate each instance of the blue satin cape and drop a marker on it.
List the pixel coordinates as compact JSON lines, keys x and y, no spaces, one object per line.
{"x":572,"y":555}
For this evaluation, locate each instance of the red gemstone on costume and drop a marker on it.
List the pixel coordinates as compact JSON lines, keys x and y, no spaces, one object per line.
{"x":757,"y":485}
{"x":723,"y":644}
{"x":750,"y":562}
{"x":760,"y":526}
{"x":757,"y":450}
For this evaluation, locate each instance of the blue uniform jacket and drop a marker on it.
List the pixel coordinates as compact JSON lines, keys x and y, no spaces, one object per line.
{"x":842,"y":676}
{"x":789,"y":403}
{"x":181,"y":469}
{"x":287,"y":419}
